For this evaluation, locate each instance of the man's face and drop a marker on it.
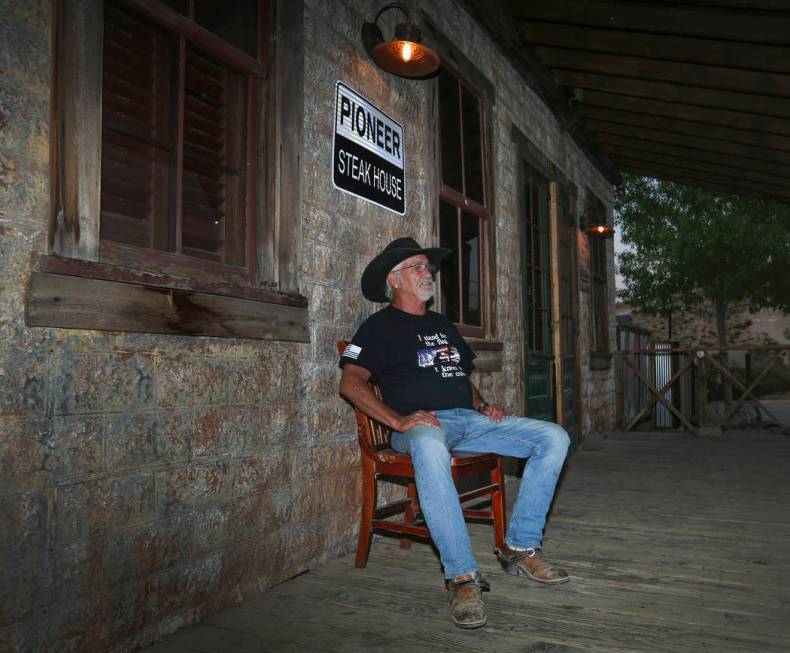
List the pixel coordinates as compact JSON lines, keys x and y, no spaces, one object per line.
{"x":413,"y":281}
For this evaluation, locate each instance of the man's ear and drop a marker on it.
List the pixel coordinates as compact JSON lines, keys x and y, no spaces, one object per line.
{"x":393,"y":279}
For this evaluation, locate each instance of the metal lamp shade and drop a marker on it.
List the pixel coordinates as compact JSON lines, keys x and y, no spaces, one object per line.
{"x":600,"y":231}
{"x":404,"y":55}
{"x":405,"y":58}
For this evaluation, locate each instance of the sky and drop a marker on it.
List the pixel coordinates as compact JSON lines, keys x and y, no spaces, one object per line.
{"x":618,"y":247}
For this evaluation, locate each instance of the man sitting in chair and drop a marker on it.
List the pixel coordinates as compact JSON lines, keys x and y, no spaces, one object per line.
{"x":421,"y":364}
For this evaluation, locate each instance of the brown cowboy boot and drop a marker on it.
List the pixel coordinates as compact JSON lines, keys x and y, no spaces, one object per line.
{"x":466,"y":600}
{"x":530,"y":563}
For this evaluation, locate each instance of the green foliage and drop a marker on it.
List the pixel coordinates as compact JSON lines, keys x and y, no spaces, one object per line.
{"x":689,"y":246}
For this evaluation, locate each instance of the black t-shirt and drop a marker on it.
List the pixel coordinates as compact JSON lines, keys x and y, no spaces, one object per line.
{"x":420,"y":362}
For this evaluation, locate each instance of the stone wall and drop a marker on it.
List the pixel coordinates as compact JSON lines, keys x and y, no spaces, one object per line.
{"x":147,"y":481}
{"x":598,"y":392}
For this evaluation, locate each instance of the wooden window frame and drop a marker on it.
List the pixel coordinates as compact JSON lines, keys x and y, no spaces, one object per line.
{"x":465,"y":204}
{"x":189,"y":34}
{"x":600,"y":344}
{"x":273,"y":250}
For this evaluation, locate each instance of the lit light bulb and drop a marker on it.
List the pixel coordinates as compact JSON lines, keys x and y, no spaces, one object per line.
{"x":601,"y":229}
{"x":406,"y":52}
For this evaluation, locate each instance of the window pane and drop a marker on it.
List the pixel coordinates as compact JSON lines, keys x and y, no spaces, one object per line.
{"x":600,"y":295}
{"x":537,"y":249}
{"x":540,"y":317}
{"x":538,"y":220}
{"x":450,"y":278}
{"x":537,"y":273}
{"x":599,"y":257}
{"x":213,"y":197}
{"x":450,"y":130}
{"x":239,"y":26}
{"x":137,"y":131}
{"x":599,"y":318}
{"x":470,"y":259}
{"x":530,"y":317}
{"x":473,"y":152}
{"x":181,"y":6}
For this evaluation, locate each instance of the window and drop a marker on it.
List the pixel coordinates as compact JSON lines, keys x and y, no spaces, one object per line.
{"x":463,"y":202}
{"x":567,"y":275}
{"x":599,"y":295}
{"x":165,"y":170}
{"x":175,"y":130}
{"x":536,"y":238}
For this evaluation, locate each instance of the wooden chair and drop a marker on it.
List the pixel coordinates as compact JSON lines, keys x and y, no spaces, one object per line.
{"x":378,"y":460}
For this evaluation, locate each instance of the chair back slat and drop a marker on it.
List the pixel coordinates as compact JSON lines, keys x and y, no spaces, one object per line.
{"x":379,"y":434}
{"x":372,"y":433}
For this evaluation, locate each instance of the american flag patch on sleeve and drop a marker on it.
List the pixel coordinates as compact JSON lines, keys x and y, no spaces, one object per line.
{"x":352,"y":351}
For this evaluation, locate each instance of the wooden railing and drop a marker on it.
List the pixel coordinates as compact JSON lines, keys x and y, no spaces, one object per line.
{"x":665,"y":386}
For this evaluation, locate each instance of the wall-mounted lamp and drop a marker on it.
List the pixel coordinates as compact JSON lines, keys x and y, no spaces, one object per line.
{"x":593,"y":222}
{"x":404,"y":55}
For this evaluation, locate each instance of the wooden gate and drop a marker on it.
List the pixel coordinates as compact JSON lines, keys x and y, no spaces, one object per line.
{"x":683,"y":390}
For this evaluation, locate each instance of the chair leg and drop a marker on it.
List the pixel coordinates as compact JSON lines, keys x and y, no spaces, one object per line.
{"x":498,"y":503}
{"x":408,"y":514}
{"x":366,"y":516}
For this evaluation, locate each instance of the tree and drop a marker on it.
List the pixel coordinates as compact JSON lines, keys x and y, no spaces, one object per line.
{"x":690,"y":247}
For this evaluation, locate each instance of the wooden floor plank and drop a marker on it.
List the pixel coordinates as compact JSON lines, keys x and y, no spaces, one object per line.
{"x":674,"y":543}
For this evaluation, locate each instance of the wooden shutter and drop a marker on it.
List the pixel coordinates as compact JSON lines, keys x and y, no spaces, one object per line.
{"x":137,"y":129}
{"x":214,"y":146}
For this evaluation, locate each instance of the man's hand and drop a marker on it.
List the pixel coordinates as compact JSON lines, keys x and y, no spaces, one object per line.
{"x":495,"y":412}
{"x":417,"y":418}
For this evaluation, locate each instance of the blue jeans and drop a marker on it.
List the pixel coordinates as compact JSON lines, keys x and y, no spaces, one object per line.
{"x":544,"y":443}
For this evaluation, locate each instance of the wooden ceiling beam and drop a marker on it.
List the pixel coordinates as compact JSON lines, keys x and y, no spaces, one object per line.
{"x":660,"y":18}
{"x":499,"y":24}
{"x":678,"y":126}
{"x":645,"y":171}
{"x":620,"y":153}
{"x":713,"y":98}
{"x":751,"y":5}
{"x":734,"y":183}
{"x":767,"y":58}
{"x":654,"y":107}
{"x":611,"y":142}
{"x":774,"y":157}
{"x":700,"y":76}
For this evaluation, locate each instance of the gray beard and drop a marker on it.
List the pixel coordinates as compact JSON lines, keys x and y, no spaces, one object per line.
{"x":425,"y":294}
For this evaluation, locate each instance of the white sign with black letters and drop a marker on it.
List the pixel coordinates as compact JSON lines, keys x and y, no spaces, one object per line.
{"x":368,"y":158}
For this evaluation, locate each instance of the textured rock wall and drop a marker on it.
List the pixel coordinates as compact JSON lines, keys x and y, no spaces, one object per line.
{"x":148,"y":480}
{"x":598,"y":392}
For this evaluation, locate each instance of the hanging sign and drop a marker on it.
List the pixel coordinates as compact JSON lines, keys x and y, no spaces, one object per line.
{"x":368,"y":152}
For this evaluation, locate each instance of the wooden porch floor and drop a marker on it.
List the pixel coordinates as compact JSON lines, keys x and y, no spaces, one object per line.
{"x":674,"y":543}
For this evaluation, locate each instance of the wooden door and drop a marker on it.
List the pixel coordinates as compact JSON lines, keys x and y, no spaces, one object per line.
{"x":538,"y":351}
{"x":566,"y":340}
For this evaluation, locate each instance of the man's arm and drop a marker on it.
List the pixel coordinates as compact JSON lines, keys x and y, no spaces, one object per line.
{"x":354,"y":387}
{"x":494,"y":412}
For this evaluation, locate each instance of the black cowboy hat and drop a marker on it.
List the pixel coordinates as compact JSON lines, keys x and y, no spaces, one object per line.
{"x":374,"y":277}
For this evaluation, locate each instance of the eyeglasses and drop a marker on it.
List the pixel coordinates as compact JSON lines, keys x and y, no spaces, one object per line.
{"x":419,"y":268}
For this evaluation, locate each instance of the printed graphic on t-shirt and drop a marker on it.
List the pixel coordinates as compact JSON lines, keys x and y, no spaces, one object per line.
{"x":352,"y":351}
{"x":440,"y":355}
